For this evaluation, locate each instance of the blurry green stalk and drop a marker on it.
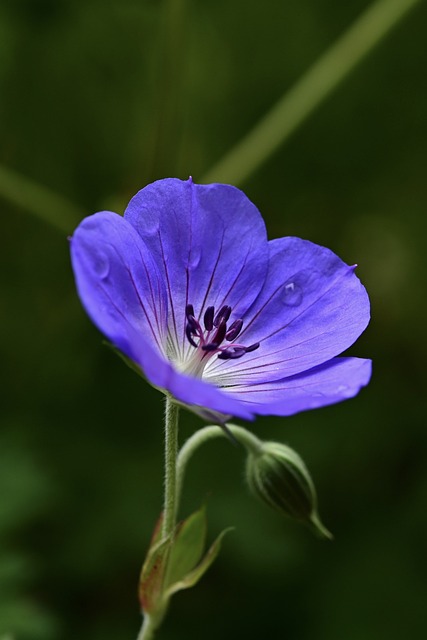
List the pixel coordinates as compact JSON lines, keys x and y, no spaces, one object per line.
{"x":38,"y":200}
{"x":169,"y":56}
{"x":265,"y":138}
{"x":308,"y":93}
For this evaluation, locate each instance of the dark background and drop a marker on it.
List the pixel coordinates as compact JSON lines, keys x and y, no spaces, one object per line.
{"x":97,"y":99}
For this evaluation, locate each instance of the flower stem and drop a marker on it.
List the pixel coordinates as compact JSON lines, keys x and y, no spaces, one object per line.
{"x":147,"y":629}
{"x":244,"y":437}
{"x":171,"y":452}
{"x":315,"y":85}
{"x":175,"y":466}
{"x":150,"y":624}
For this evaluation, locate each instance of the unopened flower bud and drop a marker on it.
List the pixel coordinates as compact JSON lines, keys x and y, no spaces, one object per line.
{"x":278,"y":476}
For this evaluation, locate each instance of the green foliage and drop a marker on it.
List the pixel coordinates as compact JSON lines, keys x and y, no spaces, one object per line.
{"x":188,"y":546}
{"x":24,"y":492}
{"x":175,"y":563}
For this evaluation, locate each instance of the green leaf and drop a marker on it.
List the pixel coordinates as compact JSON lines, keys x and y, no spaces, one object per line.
{"x":152,"y":576}
{"x":194,"y":576}
{"x":187,"y":547}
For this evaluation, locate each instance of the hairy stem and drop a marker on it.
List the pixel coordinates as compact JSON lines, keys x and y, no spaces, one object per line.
{"x":315,"y":85}
{"x":171,"y":452}
{"x":150,"y":624}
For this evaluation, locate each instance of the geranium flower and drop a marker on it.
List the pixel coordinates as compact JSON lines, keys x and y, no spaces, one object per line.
{"x":188,"y":287}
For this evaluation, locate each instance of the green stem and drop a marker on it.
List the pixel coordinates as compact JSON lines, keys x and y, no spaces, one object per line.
{"x":38,"y":200}
{"x":244,"y":437}
{"x":147,"y":629}
{"x":171,"y":452}
{"x":314,"y":86}
{"x":175,"y":465}
{"x":150,"y":624}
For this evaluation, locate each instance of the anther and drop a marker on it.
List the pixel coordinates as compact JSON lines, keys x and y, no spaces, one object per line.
{"x":208,"y":318}
{"x":189,"y":310}
{"x":252,"y":347}
{"x":222,"y":315}
{"x":232,"y":353}
{"x":198,"y":337}
{"x":189,"y":333}
{"x":193,"y":324}
{"x":234,"y":330}
{"x":220,"y":333}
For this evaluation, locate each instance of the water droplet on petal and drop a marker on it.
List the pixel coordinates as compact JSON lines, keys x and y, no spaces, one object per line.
{"x":194,"y":257}
{"x":292,"y":294}
{"x":101,"y":264}
{"x":151,"y":224}
{"x":345,"y":391}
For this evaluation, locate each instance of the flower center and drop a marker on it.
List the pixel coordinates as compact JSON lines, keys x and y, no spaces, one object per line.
{"x":214,"y":337}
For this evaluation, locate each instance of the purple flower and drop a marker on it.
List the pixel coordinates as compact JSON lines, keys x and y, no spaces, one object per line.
{"x":188,"y":287}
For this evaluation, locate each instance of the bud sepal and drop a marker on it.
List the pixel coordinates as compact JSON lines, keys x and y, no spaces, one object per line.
{"x":279,"y":477}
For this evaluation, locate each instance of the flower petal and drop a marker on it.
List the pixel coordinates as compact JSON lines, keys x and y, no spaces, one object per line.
{"x":312,"y":308}
{"x":119,"y":283}
{"x":123,"y":293}
{"x":334,"y":381}
{"x":209,"y":242}
{"x":198,"y":395}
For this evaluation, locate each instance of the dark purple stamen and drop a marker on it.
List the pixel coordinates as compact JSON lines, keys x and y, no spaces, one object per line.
{"x":232,"y":353}
{"x":252,"y":347}
{"x":222,"y":315}
{"x":234,"y":330}
{"x":208,"y":318}
{"x":192,"y":327}
{"x":189,"y":333}
{"x":194,"y":331}
{"x":220,"y":333}
{"x":193,"y":324}
{"x":189,"y":310}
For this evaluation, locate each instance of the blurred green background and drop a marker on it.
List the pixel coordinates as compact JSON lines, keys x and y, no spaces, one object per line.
{"x":98,"y":98}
